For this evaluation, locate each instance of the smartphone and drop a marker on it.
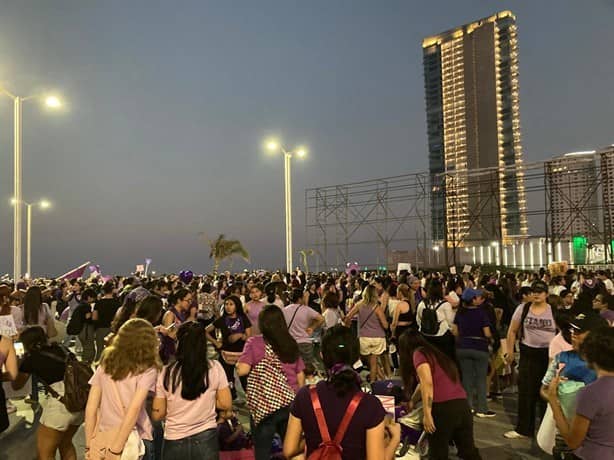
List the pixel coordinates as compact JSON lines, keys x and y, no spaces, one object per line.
{"x":19,"y":350}
{"x":172,"y":326}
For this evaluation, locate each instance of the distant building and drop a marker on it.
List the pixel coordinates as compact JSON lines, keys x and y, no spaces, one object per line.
{"x":571,"y":189}
{"x":471,"y":86}
{"x":607,"y":171}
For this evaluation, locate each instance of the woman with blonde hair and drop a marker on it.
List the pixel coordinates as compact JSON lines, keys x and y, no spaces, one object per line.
{"x":115,"y":416}
{"x":372,"y":325}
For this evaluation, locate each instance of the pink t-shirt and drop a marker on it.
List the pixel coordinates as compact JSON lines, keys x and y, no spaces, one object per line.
{"x":185,"y":418}
{"x":254,"y":352}
{"x":111,"y":414}
{"x":298,"y":318}
{"x":557,"y":345}
{"x":444,"y":389}
{"x":252,"y":310}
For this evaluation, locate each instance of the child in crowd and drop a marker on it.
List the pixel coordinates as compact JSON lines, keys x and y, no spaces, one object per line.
{"x":230,"y":432}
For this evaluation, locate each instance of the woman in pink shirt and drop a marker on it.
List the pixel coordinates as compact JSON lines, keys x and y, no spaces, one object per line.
{"x":447,"y":416}
{"x":254,"y":307}
{"x":187,"y":395}
{"x":275,"y":348}
{"x":115,"y":408}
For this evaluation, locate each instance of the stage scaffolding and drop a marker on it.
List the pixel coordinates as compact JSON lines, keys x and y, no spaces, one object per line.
{"x":377,"y":221}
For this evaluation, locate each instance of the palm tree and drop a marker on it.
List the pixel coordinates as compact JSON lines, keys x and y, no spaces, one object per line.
{"x":304,"y":254}
{"x":221,"y":249}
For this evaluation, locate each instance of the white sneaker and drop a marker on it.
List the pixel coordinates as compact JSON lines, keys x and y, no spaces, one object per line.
{"x":487,"y":414}
{"x":514,"y":435}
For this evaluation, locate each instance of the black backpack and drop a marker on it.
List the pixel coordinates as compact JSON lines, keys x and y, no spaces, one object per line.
{"x":429,"y":323}
{"x":76,"y":381}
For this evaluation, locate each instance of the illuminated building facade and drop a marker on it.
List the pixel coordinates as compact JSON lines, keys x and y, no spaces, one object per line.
{"x":471,"y":86}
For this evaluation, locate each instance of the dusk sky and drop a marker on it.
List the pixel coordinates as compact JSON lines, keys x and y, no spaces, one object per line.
{"x":168,"y":103}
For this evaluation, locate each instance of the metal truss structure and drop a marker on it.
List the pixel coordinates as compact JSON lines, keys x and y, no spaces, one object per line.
{"x":371,"y":220}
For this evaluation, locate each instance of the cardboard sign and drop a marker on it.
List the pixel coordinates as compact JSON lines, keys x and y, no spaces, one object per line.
{"x":7,"y":326}
{"x":453,"y":270}
{"x":467,"y":269}
{"x":388,"y":403}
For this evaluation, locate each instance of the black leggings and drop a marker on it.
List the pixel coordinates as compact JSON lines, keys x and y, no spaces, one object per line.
{"x":229,"y":369}
{"x":532,"y":366}
{"x":453,"y":422}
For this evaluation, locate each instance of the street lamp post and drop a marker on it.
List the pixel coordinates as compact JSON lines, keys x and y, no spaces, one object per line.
{"x":275,"y":146}
{"x":43,"y":204}
{"x":52,"y":102}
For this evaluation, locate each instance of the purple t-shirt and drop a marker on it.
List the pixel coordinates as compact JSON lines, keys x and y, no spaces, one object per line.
{"x":444,"y":388}
{"x":369,"y":323}
{"x":369,"y":414}
{"x":253,"y":352}
{"x":301,"y":317}
{"x":596,"y":402}
{"x":539,"y":330}
{"x":252,"y":310}
{"x":471,"y":323}
{"x":608,"y":315}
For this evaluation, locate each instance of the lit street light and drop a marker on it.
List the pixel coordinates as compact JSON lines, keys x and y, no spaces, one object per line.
{"x":274,"y":146}
{"x":42,"y":204}
{"x":52,"y":102}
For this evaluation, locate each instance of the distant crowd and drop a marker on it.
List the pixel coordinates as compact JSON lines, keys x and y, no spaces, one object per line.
{"x":315,"y":366}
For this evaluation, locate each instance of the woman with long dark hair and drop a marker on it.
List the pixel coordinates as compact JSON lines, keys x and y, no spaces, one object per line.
{"x":275,"y":371}
{"x":441,"y":336}
{"x":37,"y":313}
{"x":187,"y":395}
{"x":235,"y":327}
{"x":365,"y":436}
{"x":179,"y":312}
{"x":447,"y":416}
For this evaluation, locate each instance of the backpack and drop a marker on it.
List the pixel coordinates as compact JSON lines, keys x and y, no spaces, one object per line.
{"x":429,"y":323}
{"x":76,"y":381}
{"x":268,"y":389}
{"x":331,"y":449}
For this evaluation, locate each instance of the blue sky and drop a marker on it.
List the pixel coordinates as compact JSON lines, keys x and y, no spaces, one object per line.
{"x":168,"y":103}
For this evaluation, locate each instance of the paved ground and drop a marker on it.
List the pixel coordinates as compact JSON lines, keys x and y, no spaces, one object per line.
{"x":20,"y":442}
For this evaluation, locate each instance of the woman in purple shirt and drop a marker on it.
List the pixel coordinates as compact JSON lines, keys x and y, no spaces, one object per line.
{"x":275,"y":347}
{"x":365,"y":435}
{"x":591,"y":431}
{"x":372,"y":327}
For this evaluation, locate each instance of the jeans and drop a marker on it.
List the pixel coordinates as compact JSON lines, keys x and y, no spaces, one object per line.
{"x":264,"y":432}
{"x":453,"y":422}
{"x":306,"y":352}
{"x":200,"y":446}
{"x":474,"y":367}
{"x":88,"y":340}
{"x":532,"y":366}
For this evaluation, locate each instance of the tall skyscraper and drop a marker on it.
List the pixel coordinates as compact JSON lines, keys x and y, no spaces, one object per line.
{"x":475,"y":156}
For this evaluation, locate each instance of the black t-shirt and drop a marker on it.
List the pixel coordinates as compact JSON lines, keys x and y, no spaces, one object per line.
{"x":230,"y":326}
{"x":106,"y":309}
{"x":47,"y":368}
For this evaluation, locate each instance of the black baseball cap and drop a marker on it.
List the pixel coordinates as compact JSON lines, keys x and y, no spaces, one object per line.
{"x":539,"y":286}
{"x":587,"y":322}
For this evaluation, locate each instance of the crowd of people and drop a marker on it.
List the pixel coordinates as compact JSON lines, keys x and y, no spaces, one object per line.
{"x":165,"y":363}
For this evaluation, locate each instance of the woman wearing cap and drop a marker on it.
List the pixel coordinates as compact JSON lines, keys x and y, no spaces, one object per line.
{"x":591,"y":430}
{"x":472,"y":330}
{"x":533,"y":323}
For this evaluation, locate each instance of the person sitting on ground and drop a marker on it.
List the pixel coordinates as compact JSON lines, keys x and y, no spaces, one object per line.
{"x":230,"y":432}
{"x":366,"y":432}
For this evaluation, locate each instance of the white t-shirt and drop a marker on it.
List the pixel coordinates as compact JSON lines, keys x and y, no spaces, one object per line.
{"x":445,"y":316}
{"x":332,"y":317}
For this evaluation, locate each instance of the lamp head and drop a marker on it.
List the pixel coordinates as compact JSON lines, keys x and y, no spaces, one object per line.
{"x":301,"y":152}
{"x":53,"y":102}
{"x":44,"y":204}
{"x":272,"y":145}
